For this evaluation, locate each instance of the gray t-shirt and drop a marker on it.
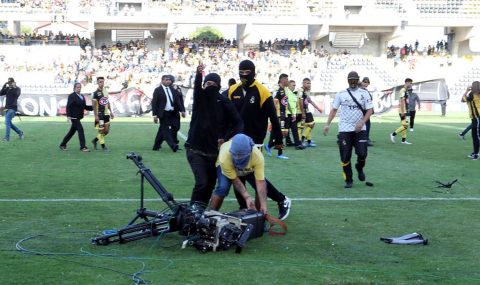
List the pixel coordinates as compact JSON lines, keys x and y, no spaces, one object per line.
{"x":413,"y":101}
{"x":350,"y":113}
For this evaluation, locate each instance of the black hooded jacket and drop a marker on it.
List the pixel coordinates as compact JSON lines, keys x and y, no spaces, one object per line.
{"x":213,"y":117}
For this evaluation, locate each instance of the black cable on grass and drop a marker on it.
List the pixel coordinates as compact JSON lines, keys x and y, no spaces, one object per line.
{"x":135,"y":276}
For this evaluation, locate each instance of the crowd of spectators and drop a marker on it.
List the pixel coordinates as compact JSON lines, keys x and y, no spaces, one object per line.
{"x":284,"y":45}
{"x":439,"y":49}
{"x":133,"y":64}
{"x":251,"y":7}
{"x":185,"y":45}
{"x":109,"y":7}
{"x":48,"y":39}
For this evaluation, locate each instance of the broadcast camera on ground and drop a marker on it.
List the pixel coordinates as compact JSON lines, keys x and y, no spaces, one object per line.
{"x":204,"y":229}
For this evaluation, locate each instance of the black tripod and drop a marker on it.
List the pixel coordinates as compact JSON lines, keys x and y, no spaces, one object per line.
{"x":154,"y":222}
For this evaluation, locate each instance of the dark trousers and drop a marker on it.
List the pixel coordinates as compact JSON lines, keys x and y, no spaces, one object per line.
{"x":412,"y":118}
{"x":294,"y":130}
{"x":467,"y":129}
{"x":476,"y":134}
{"x":443,"y":104}
{"x":175,"y":127}
{"x":164,"y":133}
{"x":272,"y":192}
{"x":346,"y":142}
{"x":76,"y":127}
{"x":205,"y":174}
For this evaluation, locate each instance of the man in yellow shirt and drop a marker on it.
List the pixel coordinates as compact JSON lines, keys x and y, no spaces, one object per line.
{"x":402,"y":111}
{"x":238,"y":161}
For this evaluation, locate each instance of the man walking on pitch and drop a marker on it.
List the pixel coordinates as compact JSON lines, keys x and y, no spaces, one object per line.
{"x":76,"y":106}
{"x":355,"y":109}
{"x":103,"y":113}
{"x":12,"y":92}
{"x":402,"y":112}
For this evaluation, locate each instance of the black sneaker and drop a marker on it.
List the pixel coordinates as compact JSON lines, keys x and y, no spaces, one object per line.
{"x":299,"y":147}
{"x":63,"y":147}
{"x":94,"y":142}
{"x":284,"y":208}
{"x":348,"y":185}
{"x":361,"y":174}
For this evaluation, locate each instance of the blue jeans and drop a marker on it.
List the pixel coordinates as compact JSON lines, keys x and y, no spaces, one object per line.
{"x":9,"y":125}
{"x":223,"y":184}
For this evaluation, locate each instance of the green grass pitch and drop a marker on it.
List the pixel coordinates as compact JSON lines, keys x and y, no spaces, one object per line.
{"x":333,"y":235}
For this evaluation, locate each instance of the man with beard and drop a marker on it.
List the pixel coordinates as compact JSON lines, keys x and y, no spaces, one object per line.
{"x":255,"y":105}
{"x":214,"y":120}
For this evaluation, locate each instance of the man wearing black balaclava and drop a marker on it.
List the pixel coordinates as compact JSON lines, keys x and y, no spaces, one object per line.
{"x":255,"y":105}
{"x":214,"y":120}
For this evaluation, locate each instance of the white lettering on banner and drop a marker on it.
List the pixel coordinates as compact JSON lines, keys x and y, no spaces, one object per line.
{"x":29,"y":106}
{"x":45,"y":109}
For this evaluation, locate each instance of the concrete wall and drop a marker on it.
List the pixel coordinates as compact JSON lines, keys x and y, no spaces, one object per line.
{"x":158,"y":40}
{"x":464,"y":49}
{"x":103,"y":37}
{"x":374,"y":46}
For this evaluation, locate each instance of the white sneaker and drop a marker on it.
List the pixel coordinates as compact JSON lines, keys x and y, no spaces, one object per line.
{"x":392,"y":138}
{"x":405,"y":142}
{"x":411,"y":129}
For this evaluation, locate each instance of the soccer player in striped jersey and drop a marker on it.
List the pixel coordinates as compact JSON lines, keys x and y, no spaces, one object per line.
{"x":472,"y":98}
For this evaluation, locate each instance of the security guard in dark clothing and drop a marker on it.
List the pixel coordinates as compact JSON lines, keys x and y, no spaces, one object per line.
{"x":214,"y":120}
{"x":255,"y":105}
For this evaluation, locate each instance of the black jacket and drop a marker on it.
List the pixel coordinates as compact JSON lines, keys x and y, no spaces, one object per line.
{"x":12,"y":95}
{"x":213,"y":118}
{"x":256,"y":107}
{"x":76,"y":106}
{"x":159,"y":101}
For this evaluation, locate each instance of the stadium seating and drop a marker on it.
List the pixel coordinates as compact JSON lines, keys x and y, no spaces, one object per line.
{"x":394,"y":5}
{"x":449,"y":8}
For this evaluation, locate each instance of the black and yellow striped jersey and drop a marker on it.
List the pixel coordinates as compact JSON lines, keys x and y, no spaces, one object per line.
{"x":255,"y":105}
{"x":101,"y":97}
{"x":473,"y":103}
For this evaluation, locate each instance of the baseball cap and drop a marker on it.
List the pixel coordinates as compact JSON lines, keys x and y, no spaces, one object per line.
{"x":353,"y":75}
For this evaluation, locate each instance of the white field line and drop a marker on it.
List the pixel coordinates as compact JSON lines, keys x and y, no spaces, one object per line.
{"x":59,"y":200}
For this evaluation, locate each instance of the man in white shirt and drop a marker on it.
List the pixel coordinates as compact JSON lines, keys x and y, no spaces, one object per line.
{"x":355,"y":110}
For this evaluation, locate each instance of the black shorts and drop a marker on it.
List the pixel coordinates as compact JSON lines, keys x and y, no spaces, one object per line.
{"x":105,"y":118}
{"x":309,"y":117}
{"x":298,"y":118}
